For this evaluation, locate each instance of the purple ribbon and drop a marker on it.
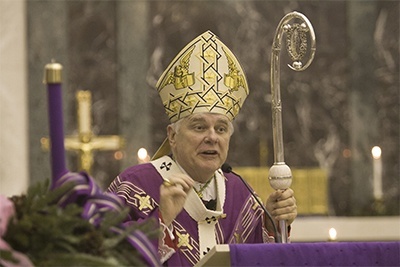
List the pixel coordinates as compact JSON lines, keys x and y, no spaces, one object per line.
{"x":95,"y":204}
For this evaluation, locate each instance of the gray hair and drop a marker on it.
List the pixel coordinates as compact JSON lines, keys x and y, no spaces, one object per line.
{"x":177,"y":125}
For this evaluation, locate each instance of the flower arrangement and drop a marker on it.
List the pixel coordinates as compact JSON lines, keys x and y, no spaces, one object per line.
{"x":72,"y":224}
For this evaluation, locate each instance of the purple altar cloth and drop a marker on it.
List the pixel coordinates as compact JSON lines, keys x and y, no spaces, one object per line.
{"x":316,"y":254}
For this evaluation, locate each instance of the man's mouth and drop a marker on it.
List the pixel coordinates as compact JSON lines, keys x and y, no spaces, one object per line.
{"x":209,"y":152}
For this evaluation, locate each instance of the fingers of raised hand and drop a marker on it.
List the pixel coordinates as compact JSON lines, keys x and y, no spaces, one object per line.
{"x":182,"y":182}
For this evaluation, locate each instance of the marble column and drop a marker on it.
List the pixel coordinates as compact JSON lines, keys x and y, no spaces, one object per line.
{"x":133,"y":64}
{"x":46,"y":40}
{"x":363,"y":107}
{"x":14,"y":176}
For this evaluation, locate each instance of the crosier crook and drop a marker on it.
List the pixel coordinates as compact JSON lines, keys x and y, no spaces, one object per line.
{"x":280,"y":175}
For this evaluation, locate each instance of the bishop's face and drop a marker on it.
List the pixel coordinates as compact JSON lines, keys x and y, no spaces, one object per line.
{"x":200,"y":143}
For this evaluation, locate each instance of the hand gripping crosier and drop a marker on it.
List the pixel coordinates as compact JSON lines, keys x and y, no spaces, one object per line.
{"x":280,"y":175}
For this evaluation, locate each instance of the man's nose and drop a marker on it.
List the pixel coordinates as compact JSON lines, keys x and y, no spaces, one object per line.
{"x":211,"y":137}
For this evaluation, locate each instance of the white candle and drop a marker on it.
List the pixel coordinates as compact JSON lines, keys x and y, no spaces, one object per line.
{"x":377,"y":172}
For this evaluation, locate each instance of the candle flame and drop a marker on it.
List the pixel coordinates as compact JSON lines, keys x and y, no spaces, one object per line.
{"x":332,"y":234}
{"x":376,"y":152}
{"x":346,"y":153}
{"x":118,"y":155}
{"x":143,"y":156}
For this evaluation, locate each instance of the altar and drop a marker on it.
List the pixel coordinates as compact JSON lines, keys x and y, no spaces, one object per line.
{"x":305,"y":254}
{"x":360,"y":241}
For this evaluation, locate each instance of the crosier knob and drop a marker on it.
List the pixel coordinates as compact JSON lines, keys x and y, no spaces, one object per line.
{"x":280,"y":178}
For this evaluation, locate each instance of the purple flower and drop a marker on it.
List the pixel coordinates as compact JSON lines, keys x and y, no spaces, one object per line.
{"x":7,"y":211}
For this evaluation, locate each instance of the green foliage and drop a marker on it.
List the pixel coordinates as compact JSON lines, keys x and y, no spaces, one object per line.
{"x":53,"y":236}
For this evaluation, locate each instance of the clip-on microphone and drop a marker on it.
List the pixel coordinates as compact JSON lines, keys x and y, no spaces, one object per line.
{"x":228,"y":169}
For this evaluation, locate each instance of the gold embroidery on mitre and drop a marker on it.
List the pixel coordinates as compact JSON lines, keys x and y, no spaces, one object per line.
{"x":210,"y":98}
{"x":204,"y":77}
{"x":180,"y":77}
{"x":234,"y":79}
{"x":191,"y":100}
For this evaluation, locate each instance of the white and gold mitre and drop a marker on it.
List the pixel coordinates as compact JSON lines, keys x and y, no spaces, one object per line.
{"x":204,"y":77}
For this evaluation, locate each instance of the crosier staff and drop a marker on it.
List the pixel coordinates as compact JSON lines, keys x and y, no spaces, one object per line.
{"x":280,"y":175}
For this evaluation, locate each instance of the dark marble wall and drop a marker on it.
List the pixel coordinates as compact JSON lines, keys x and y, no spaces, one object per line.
{"x":92,"y":55}
{"x":118,"y":49}
{"x":333,"y":113}
{"x":102,"y":46}
{"x":47,"y":40}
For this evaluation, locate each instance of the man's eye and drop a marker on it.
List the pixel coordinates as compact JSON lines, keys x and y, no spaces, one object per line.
{"x":198,"y":127}
{"x":222,"y":129}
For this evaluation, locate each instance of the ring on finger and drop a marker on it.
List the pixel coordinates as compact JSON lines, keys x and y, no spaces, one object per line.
{"x":167,"y":183}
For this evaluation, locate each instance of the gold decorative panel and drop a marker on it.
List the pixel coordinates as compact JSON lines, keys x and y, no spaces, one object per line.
{"x":310,"y":187}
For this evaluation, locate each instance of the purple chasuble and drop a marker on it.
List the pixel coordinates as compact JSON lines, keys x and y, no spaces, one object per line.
{"x":139,"y":187}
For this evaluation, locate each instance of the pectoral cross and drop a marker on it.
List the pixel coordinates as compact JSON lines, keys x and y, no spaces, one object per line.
{"x":86,"y":142}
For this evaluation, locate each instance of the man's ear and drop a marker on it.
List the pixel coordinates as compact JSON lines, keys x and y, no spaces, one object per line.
{"x":171,"y":135}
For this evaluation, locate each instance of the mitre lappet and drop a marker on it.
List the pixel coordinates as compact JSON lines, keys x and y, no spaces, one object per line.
{"x":204,"y":77}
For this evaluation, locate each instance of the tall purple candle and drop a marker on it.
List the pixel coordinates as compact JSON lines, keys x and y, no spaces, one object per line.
{"x":53,"y":79}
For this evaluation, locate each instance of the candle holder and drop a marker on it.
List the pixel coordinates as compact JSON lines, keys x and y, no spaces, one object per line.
{"x":378,"y":207}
